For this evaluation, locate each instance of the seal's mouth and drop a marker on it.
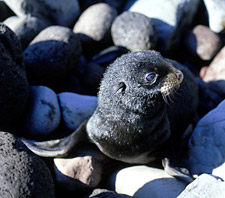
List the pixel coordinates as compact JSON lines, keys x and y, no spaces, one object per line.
{"x":171,"y":83}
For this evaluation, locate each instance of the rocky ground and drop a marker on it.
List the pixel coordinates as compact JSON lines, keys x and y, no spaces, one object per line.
{"x":53,"y":56}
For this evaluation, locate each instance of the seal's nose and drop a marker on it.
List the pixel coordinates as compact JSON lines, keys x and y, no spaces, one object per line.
{"x":180,"y":76}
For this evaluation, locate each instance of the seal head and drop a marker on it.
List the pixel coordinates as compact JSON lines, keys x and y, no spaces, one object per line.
{"x":130,"y":123}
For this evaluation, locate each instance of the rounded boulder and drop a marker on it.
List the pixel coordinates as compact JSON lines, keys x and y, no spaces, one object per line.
{"x":22,"y":173}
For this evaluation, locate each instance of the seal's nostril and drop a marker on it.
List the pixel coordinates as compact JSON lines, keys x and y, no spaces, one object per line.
{"x":179,"y":76}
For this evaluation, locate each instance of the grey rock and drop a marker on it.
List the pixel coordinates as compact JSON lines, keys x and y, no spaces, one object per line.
{"x":205,"y":186}
{"x":13,"y":81}
{"x":25,"y":28}
{"x":43,"y":114}
{"x":76,"y":108}
{"x":142,"y":181}
{"x":202,"y":42}
{"x":82,"y":170}
{"x":93,"y":27}
{"x":168,"y":17}
{"x":58,"y":12}
{"x":134,"y":31}
{"x":216,"y":69}
{"x":206,"y":150}
{"x":51,"y":56}
{"x":216,"y":14}
{"x":22,"y":173}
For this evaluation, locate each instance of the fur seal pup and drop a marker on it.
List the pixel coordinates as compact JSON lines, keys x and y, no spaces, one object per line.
{"x":134,"y":120}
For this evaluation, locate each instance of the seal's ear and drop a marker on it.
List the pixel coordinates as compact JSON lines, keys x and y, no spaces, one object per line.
{"x":121,"y":88}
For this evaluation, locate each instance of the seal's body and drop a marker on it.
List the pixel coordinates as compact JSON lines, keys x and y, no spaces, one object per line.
{"x":133,"y":121}
{"x":130,"y":123}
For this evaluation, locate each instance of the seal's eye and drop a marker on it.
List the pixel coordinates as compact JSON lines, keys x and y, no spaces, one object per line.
{"x":151,"y":77}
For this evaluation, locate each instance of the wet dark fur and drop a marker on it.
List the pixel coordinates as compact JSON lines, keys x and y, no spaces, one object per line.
{"x":133,"y":123}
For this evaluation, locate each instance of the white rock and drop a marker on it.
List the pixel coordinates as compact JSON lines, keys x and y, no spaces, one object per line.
{"x":216,"y":14}
{"x":76,"y":108}
{"x":83,"y":169}
{"x":205,"y":186}
{"x":78,"y":172}
{"x":206,"y":145}
{"x":168,"y":16}
{"x":144,"y":182}
{"x":59,"y":12}
{"x":219,"y":171}
{"x":43,"y":111}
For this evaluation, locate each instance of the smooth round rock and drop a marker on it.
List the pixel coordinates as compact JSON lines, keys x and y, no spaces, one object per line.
{"x":22,"y":173}
{"x":25,"y":28}
{"x":142,"y":181}
{"x":134,"y":31}
{"x":76,"y":108}
{"x":93,"y":27}
{"x":52,"y":55}
{"x":82,"y":170}
{"x":58,"y":12}
{"x":206,"y":186}
{"x":168,"y":17}
{"x":206,"y":148}
{"x":216,"y":69}
{"x":13,"y":81}
{"x":43,"y":112}
{"x":202,"y":42}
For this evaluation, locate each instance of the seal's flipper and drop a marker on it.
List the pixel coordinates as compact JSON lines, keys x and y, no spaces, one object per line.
{"x":58,"y":147}
{"x":177,"y":172}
